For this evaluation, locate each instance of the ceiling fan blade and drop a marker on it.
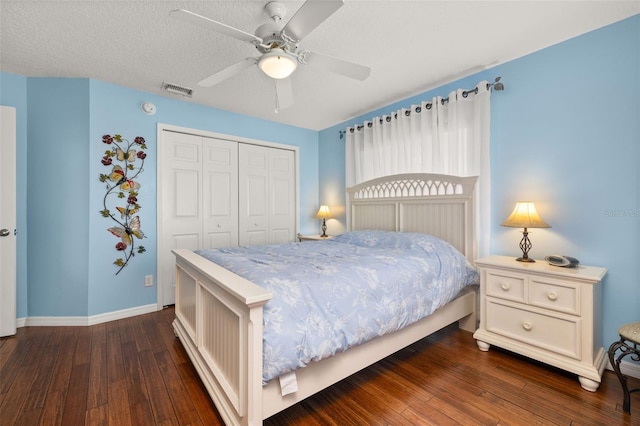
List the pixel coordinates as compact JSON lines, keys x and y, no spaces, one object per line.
{"x":337,"y":66}
{"x":209,"y":24}
{"x":311,"y":14}
{"x":284,"y":93}
{"x":228,"y":72}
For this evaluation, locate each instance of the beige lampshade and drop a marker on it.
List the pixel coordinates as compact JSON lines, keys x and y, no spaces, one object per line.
{"x":324,"y":213}
{"x":524,"y":215}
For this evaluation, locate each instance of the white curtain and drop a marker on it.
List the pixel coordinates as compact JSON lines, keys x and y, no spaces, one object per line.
{"x":448,"y":136}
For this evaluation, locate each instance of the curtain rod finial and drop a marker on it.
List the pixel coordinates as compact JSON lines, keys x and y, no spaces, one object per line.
{"x":497,"y":85}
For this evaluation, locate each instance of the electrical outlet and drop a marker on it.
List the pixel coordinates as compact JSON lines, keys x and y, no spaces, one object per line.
{"x":148,"y":280}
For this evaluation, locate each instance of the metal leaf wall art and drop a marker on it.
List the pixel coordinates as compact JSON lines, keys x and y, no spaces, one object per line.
{"x":126,"y":160}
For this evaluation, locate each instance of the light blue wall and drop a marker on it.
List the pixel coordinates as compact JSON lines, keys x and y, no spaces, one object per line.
{"x":57,"y":196}
{"x":65,"y":253}
{"x":566,"y":134}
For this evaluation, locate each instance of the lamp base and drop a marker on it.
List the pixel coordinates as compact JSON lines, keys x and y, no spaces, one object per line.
{"x":324,"y":228}
{"x":525,"y":246}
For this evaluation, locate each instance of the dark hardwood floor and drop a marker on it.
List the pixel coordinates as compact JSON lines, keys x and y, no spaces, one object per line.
{"x":134,"y":371}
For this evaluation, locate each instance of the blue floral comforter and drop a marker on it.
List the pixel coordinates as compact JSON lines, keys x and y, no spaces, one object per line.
{"x":331,"y":295}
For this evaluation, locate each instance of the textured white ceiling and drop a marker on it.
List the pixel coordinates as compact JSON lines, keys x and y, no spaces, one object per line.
{"x":411,"y":46}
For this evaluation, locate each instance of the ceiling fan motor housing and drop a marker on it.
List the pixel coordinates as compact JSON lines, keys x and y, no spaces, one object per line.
{"x":271,"y":35}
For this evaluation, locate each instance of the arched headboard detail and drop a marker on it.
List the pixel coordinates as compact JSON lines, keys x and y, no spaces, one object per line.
{"x":435,"y":204}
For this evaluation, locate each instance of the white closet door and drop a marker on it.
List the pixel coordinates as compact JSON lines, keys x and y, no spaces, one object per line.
{"x":282,"y":191}
{"x":267,"y":181}
{"x":180,"y":191}
{"x":198,"y":198}
{"x":253,"y":220}
{"x":220,"y":196}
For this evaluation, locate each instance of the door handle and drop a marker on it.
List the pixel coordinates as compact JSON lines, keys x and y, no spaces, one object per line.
{"x":4,"y":233}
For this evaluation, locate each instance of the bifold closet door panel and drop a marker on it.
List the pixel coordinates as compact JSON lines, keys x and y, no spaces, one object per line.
{"x":282,"y":196}
{"x":220,"y":193}
{"x":267,"y":195}
{"x":180,"y":203}
{"x":253,"y":181}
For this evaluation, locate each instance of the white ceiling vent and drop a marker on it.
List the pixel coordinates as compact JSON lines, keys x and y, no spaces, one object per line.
{"x":177,"y":90}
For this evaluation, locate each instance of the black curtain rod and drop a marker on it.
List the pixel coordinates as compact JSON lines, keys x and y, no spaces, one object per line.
{"x":495,"y":85}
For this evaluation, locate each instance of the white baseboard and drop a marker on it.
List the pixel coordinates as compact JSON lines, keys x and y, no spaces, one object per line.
{"x":85,"y":321}
{"x":631,"y":369}
{"x":628,"y":368}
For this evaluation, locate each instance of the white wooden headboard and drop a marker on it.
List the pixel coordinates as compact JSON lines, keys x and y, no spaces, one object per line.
{"x":435,"y":204}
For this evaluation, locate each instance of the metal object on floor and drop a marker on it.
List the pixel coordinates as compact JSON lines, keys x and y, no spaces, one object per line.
{"x":629,"y":344}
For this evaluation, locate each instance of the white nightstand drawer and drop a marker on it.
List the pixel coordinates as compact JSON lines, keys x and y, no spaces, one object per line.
{"x":559,"y":335}
{"x":505,"y":286}
{"x":556,"y":296}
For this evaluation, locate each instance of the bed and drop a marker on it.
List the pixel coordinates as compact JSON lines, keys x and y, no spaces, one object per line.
{"x":219,"y":314}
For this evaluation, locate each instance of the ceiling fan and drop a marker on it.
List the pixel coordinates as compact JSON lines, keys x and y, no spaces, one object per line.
{"x":278,"y":44}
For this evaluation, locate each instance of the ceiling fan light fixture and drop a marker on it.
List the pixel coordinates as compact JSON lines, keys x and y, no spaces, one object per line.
{"x":277,"y":64}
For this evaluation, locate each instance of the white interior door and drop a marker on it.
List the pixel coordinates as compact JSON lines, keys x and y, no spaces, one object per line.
{"x":7,"y":221}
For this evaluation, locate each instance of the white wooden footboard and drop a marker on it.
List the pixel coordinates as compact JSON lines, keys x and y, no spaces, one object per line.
{"x":219,"y":322}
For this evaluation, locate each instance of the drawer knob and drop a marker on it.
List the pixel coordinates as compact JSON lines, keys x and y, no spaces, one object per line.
{"x":505,"y":286}
{"x":527,"y":325}
{"x":552,"y":295}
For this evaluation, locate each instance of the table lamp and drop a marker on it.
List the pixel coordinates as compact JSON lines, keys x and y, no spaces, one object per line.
{"x":525,"y":216}
{"x":324,"y":213}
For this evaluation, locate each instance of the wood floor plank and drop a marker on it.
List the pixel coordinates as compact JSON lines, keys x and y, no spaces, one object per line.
{"x":119,"y":411}
{"x":44,"y":373}
{"x":64,"y":362}
{"x":198,"y":395}
{"x":158,"y":396}
{"x":141,"y":413}
{"x":15,"y":359}
{"x":98,"y":416}
{"x":115,"y":365}
{"x":75,"y":405}
{"x":182,"y":404}
{"x":18,"y":392}
{"x":297,"y":415}
{"x":98,"y":392}
{"x":82,"y":353}
{"x":7,"y":346}
{"x":427,"y":415}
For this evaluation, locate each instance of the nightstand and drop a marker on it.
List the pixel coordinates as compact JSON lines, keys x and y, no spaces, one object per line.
{"x":302,"y":238}
{"x":548,"y":313}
